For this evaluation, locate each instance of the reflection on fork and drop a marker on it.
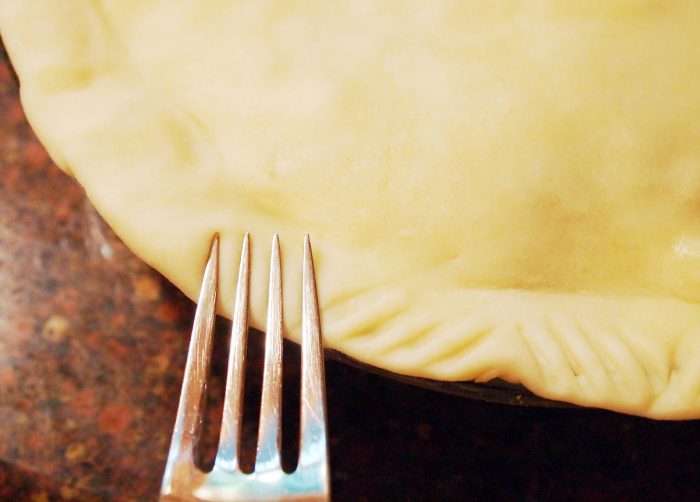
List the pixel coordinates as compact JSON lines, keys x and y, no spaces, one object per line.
{"x":183,"y":480}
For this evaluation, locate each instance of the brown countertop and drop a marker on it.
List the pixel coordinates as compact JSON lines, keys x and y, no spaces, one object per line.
{"x":93,"y":345}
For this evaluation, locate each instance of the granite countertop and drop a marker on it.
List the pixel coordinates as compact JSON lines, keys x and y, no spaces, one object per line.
{"x":93,"y":345}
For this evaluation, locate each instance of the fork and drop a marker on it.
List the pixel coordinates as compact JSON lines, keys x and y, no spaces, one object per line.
{"x":183,"y":480}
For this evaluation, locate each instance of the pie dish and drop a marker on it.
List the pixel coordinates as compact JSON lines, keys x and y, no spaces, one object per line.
{"x":492,"y":193}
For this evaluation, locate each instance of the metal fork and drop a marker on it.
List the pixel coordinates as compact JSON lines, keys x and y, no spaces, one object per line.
{"x":183,"y":480}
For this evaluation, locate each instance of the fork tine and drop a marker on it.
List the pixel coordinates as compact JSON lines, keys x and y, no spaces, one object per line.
{"x":268,"y":455}
{"x":313,"y":454}
{"x":229,"y":437}
{"x":310,"y":481}
{"x":193,"y":394}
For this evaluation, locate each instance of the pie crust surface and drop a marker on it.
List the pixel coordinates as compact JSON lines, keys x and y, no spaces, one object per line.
{"x":491,"y":191}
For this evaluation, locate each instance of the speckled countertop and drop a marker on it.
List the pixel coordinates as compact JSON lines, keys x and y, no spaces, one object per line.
{"x":93,"y":344}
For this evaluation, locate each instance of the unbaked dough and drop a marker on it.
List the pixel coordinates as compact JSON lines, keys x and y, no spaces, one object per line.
{"x":493,"y":189}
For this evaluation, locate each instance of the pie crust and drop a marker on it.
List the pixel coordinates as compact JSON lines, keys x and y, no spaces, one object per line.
{"x":491,"y":191}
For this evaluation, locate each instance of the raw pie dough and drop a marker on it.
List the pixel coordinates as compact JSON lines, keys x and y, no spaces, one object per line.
{"x":493,"y":189}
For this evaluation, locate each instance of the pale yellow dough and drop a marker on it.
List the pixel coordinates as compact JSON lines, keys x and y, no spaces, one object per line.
{"x":493,"y":189}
